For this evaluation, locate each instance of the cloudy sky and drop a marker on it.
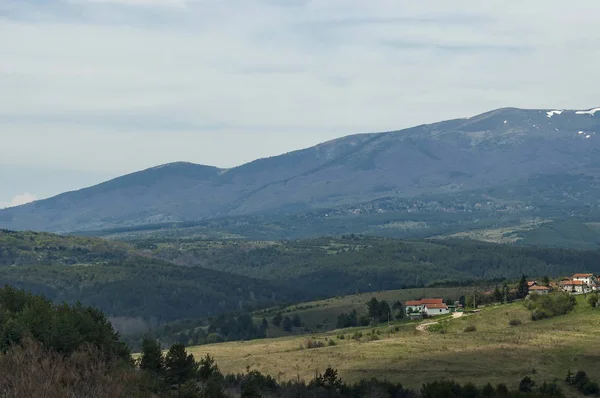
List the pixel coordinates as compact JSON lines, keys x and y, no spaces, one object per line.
{"x":92,"y":89}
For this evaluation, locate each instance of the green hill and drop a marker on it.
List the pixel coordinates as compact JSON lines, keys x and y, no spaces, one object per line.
{"x":122,"y":282}
{"x":493,"y":351}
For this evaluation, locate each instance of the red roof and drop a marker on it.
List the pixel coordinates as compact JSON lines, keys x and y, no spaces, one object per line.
{"x":432,"y":301}
{"x":435,"y":306}
{"x":424,"y":302}
{"x":574,"y":283}
{"x":583,"y":275}
{"x":531,"y":283}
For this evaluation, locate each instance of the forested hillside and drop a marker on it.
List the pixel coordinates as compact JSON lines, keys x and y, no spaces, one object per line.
{"x":114,"y":277}
{"x":358,"y":264}
{"x":150,"y":282}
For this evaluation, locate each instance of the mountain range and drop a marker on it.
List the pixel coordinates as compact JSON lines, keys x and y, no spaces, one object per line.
{"x":492,"y":152}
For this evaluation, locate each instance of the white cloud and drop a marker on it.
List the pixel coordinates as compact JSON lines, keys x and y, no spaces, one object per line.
{"x":124,"y":84}
{"x":19,"y":200}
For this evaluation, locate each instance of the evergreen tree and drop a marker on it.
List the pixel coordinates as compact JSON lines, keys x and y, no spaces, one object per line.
{"x":297,"y":321}
{"x":497,"y":295}
{"x":523,"y":289}
{"x":179,"y":366}
{"x":277,"y":319}
{"x":288,"y":324}
{"x":152,"y":359}
{"x":207,"y":368}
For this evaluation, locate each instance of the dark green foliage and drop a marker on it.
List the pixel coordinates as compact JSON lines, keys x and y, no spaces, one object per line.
{"x":179,"y":366}
{"x":379,"y":311}
{"x":582,"y":382}
{"x":297,"y":321}
{"x":526,"y":385}
{"x":61,"y":328}
{"x":347,"y":320}
{"x":287,"y":324}
{"x":593,"y":300}
{"x":152,"y":359}
{"x":523,"y":288}
{"x":277,"y":319}
{"x":120,"y":281}
{"x":207,"y":368}
{"x":336,"y":266}
{"x":549,"y":305}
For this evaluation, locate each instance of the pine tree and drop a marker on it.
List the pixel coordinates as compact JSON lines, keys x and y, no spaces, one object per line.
{"x":297,"y":321}
{"x":277,"y":319}
{"x":179,"y":366}
{"x":152,"y":359}
{"x":288,"y":324}
{"x":523,"y":289}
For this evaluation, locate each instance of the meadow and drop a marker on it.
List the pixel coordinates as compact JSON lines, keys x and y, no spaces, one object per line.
{"x":322,"y":315}
{"x":476,"y":347}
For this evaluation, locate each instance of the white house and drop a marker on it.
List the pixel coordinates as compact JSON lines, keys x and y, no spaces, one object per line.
{"x":588,"y":279}
{"x":436,"y":309}
{"x":420,"y":306}
{"x":576,"y":286}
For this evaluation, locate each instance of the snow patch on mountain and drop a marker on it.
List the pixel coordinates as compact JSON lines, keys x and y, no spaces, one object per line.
{"x":590,"y":112}
{"x":552,"y":113}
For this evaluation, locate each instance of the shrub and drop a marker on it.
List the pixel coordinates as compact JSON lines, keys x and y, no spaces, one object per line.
{"x":331,"y":343}
{"x":310,"y":344}
{"x":470,"y":328}
{"x":515,"y":322}
{"x":441,"y":328}
{"x":590,"y":388}
{"x":550,"y":305}
{"x":526,"y":385}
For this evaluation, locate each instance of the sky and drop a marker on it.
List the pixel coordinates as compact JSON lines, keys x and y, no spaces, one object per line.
{"x":93,"y":89}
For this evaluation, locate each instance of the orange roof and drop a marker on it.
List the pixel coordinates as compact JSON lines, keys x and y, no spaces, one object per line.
{"x":412,"y":303}
{"x":582,"y":275}
{"x":432,"y":301}
{"x":531,"y":283}
{"x":444,"y":306}
{"x":573,"y":283}
{"x":539,"y":288}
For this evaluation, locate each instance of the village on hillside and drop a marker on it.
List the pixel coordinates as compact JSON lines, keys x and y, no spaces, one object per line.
{"x":576,"y":284}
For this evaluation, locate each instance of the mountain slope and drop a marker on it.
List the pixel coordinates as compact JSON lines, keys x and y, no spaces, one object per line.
{"x":487,"y":151}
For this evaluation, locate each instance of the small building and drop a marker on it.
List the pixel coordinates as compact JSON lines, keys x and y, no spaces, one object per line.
{"x":530,"y":284}
{"x":539,"y":290}
{"x":413,"y":307}
{"x":420,"y":306}
{"x":576,"y":286}
{"x":588,"y":279}
{"x":436,"y":309}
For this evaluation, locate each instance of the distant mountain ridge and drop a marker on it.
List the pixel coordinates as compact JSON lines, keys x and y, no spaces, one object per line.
{"x":482,"y":152}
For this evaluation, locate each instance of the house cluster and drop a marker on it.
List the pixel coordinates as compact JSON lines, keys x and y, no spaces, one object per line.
{"x":428,"y":307}
{"x":576,"y":284}
{"x":580,"y":283}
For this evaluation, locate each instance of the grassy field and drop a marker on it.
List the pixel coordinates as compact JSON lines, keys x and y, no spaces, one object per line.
{"x":321,"y":316}
{"x":495,"y":351}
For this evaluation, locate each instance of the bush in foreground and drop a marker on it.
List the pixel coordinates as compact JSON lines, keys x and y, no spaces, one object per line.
{"x":550,"y":305}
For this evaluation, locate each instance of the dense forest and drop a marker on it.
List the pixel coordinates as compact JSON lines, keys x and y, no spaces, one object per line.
{"x":114,"y":278}
{"x":354,"y":264}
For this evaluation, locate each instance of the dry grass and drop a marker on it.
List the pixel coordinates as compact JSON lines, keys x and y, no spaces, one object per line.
{"x":495,"y":352}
